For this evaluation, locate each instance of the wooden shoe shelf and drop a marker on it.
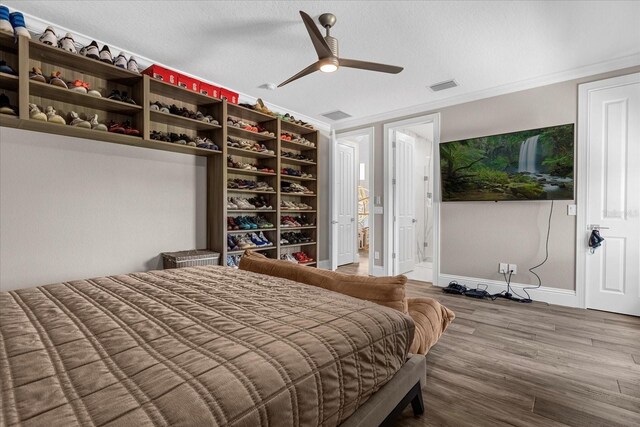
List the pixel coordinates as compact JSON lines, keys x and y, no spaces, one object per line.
{"x":25,"y":54}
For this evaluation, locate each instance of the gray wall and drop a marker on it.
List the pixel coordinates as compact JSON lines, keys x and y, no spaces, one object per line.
{"x":476,"y":236}
{"x":73,"y":208}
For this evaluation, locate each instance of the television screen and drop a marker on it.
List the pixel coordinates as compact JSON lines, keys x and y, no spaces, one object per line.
{"x":532,"y":164}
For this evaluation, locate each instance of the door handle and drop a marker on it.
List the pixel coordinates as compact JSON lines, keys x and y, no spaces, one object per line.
{"x":334,"y":222}
{"x":353,"y":219}
{"x":596,"y":227}
{"x":414,"y":220}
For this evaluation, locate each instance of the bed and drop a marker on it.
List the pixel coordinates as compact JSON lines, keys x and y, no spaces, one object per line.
{"x":202,"y":346}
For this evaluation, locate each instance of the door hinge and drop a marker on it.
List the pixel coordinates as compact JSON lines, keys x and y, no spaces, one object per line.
{"x":393,"y":256}
{"x":393,"y":181}
{"x":393,"y":144}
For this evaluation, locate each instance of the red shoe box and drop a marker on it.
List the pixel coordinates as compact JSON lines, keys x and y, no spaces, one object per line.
{"x":230,"y":96}
{"x":188,"y":83}
{"x":161,"y":73}
{"x":209,"y":90}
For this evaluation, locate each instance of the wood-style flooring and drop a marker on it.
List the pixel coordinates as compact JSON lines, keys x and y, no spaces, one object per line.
{"x":505,"y":363}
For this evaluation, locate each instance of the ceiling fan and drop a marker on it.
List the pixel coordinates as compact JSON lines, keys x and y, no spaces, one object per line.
{"x":327,"y":50}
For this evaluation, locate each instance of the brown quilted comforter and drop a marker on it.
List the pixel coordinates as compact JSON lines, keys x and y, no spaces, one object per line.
{"x":201,"y":346}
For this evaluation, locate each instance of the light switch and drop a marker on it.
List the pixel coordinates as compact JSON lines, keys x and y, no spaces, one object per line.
{"x":571,"y":210}
{"x":378,"y":210}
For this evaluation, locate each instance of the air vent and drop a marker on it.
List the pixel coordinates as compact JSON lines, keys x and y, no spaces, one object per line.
{"x":443,"y":85}
{"x":336,"y":115}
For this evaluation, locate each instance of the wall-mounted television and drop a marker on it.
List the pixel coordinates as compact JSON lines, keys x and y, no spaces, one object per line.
{"x":534,"y":164}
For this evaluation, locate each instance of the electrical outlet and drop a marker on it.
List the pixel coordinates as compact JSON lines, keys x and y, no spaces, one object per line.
{"x":503,"y":268}
{"x":513,"y":269}
{"x":376,"y":255}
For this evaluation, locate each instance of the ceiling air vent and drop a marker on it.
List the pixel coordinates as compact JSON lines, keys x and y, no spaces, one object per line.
{"x":336,"y":115}
{"x":443,"y":85}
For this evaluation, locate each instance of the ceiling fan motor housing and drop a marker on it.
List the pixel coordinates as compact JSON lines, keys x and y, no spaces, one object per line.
{"x":332,"y":42}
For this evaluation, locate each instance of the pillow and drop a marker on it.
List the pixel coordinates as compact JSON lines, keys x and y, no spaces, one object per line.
{"x":387,"y":291}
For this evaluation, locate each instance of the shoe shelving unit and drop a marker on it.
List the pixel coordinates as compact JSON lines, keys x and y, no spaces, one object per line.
{"x":24,"y":54}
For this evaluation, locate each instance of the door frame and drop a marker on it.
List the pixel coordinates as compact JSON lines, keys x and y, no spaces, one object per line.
{"x":581,"y":171}
{"x":368,"y":132}
{"x":390,"y":238}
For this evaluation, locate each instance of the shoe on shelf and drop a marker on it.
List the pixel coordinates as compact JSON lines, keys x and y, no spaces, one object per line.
{"x":6,"y":107}
{"x":115,"y":95}
{"x":36,"y":74}
{"x":120,"y":61}
{"x":124,"y":96}
{"x":95,"y":125}
{"x":68,"y":43}
{"x":36,"y":114}
{"x":49,"y":37}
{"x":105,"y":55}
{"x":19,"y":27}
{"x":57,"y":81}
{"x":75,"y":120}
{"x":115,"y":127}
{"x":132,"y":65}
{"x":94,"y":92}
{"x":128,"y":130}
{"x":5,"y":24}
{"x":78,"y":86}
{"x":4,"y":68}
{"x":54,"y":117}
{"x":91,"y":51}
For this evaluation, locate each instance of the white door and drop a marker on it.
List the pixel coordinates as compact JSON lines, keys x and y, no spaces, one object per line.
{"x":346,"y":189}
{"x":612,"y":177}
{"x":405,"y":209}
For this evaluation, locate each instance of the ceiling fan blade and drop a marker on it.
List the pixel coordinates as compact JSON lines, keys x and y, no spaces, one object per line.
{"x":322,"y":48}
{"x":371,"y":66}
{"x":310,"y":69}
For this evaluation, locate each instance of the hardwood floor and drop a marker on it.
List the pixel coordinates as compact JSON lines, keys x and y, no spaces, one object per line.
{"x":504,"y":363}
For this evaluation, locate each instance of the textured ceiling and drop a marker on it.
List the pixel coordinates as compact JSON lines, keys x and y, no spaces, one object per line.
{"x":245,"y":44}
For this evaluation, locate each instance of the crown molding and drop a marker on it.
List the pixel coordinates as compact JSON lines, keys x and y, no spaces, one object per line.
{"x":576,"y":73}
{"x":37,"y":26}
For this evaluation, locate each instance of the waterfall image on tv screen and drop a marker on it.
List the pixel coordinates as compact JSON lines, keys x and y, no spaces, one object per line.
{"x":534,"y":164}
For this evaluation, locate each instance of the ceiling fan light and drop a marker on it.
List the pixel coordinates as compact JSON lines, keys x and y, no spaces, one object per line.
{"x":328,"y":68}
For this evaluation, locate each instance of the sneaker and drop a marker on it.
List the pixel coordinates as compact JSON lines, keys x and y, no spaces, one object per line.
{"x":75,"y":120}
{"x":264,"y":239}
{"x":105,"y":55}
{"x":91,"y":51}
{"x":5,"y":24}
{"x":68,"y":43}
{"x":256,"y":240}
{"x":95,"y":125}
{"x":4,"y":68}
{"x":49,"y":37}
{"x":36,"y":114}
{"x":6,"y":107}
{"x":36,"y":74}
{"x":132,"y":65}
{"x":57,"y":81}
{"x":19,"y":27}
{"x":54,"y":117}
{"x":120,"y":61}
{"x":230,"y":204}
{"x":78,"y":86}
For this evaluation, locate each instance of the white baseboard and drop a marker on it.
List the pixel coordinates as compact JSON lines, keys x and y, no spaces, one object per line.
{"x":564,"y":297}
{"x":325,"y":264}
{"x":378,"y":271}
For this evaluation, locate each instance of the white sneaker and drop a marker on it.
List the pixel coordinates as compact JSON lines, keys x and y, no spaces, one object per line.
{"x":105,"y":55}
{"x":36,"y":114}
{"x":95,"y":125}
{"x":54,"y":117}
{"x":67,"y":43}
{"x":49,"y":37}
{"x":120,"y":61}
{"x":132,"y":65}
{"x":75,"y":120}
{"x":91,"y":50}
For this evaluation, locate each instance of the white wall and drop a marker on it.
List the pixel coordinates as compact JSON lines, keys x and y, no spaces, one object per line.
{"x":73,"y":208}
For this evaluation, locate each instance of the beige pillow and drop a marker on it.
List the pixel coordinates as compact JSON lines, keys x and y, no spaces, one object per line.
{"x":387,"y":291}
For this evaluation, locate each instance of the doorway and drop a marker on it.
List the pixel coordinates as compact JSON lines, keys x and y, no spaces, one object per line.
{"x":608,"y":276}
{"x":352,"y":223}
{"x":411,"y":214}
